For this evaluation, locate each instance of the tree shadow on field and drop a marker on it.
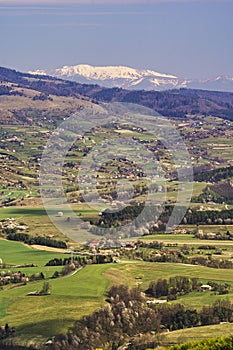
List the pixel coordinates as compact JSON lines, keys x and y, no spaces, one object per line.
{"x":44,"y":329}
{"x":28,"y":211}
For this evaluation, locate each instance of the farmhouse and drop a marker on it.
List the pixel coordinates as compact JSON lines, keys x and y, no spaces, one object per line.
{"x":93,"y":243}
{"x":206,"y":287}
{"x":211,"y":235}
{"x":183,"y":231}
{"x":156,"y":301}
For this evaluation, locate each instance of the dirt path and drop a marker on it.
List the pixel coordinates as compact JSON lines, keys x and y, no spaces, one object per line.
{"x":48,"y":249}
{"x":73,"y":273}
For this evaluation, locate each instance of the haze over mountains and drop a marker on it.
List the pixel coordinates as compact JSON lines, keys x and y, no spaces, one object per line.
{"x":134,"y":79}
{"x":37,"y":97}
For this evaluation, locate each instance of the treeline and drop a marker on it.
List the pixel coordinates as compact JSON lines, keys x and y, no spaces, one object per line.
{"x":214,"y":175}
{"x":81,"y":260}
{"x":179,"y":285}
{"x":40,"y":240}
{"x":151,"y":245}
{"x":115,"y":218}
{"x":176,"y":256}
{"x":210,"y":196}
{"x":192,"y":217}
{"x":71,"y":264}
{"x":6,"y":90}
{"x":211,"y":262}
{"x":219,"y":193}
{"x":226,"y":236}
{"x":173,"y":287}
{"x":176,"y":316}
{"x":127,"y":315}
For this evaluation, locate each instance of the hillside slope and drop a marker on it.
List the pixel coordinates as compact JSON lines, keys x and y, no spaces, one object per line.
{"x":172,"y":103}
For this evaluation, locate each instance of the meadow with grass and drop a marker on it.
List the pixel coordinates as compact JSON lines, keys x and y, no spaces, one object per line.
{"x":80,"y":293}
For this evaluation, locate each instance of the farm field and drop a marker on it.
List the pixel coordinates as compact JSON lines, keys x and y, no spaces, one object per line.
{"x":189,"y":238}
{"x":196,"y":333}
{"x":40,"y":224}
{"x":149,"y":271}
{"x":18,"y":254}
{"x":71,"y":296}
{"x":80,"y":294}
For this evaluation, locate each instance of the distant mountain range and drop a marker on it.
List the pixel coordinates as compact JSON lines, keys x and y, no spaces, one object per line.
{"x":27,"y":99}
{"x":134,"y":79}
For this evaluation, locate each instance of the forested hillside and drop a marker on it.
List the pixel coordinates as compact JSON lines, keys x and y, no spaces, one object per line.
{"x":171,"y":103}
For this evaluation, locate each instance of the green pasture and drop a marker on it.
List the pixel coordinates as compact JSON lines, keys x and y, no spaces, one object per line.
{"x":196,"y":333}
{"x":18,"y":254}
{"x":39,"y":317}
{"x":149,"y":271}
{"x":189,"y":239}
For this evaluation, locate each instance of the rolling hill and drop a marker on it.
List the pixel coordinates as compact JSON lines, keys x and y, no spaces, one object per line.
{"x":25,"y":97}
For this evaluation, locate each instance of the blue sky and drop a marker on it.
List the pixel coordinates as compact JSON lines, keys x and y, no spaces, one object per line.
{"x":189,"y":38}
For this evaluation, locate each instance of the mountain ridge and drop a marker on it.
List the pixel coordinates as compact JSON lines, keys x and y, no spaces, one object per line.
{"x":176,"y":103}
{"x":133,"y":79}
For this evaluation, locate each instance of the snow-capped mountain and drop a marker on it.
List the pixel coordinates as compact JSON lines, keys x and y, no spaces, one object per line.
{"x":133,"y":79}
{"x":116,"y":76}
{"x":220,"y":83}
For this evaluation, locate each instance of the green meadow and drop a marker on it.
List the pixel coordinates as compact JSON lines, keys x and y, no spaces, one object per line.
{"x":196,"y":333}
{"x":39,"y":317}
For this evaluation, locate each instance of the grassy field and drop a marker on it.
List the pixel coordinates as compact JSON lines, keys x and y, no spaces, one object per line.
{"x":71,"y":298}
{"x":18,"y":253}
{"x":151,"y":271}
{"x":190,"y":239}
{"x":38,"y":318}
{"x":196,"y":333}
{"x":128,"y":273}
{"x":40,"y":225}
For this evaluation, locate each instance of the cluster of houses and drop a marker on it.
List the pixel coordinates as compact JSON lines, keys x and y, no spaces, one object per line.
{"x":12,"y":277}
{"x":214,"y":235}
{"x":13,"y":140}
{"x":108,"y":244}
{"x":10,"y":224}
{"x":180,"y":231}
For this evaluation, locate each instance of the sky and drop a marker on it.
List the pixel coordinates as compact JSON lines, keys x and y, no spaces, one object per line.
{"x":188,"y":38}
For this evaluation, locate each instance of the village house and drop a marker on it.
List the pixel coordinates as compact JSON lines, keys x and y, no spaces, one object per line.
{"x":156,"y":301}
{"x":211,"y":235}
{"x":182,"y":231}
{"x":206,"y":287}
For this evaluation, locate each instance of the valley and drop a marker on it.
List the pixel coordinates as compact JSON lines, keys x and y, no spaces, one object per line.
{"x":80,"y":272}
